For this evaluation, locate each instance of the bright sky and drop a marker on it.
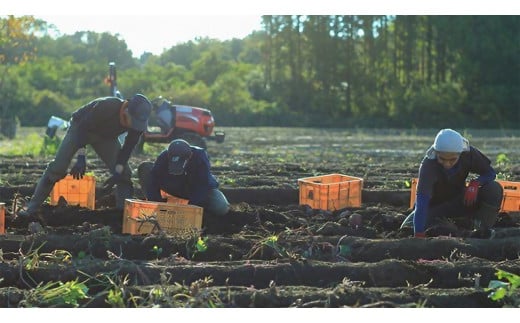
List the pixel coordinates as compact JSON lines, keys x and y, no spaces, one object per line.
{"x":155,"y":25}
{"x":157,"y":33}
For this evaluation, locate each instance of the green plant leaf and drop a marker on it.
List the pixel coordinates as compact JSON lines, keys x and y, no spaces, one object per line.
{"x":498,"y":294}
{"x":201,"y":245}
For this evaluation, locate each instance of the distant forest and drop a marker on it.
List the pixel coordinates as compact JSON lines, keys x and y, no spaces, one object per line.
{"x":305,"y":71}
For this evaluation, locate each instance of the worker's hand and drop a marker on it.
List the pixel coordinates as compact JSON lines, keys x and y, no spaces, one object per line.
{"x":421,"y":235}
{"x":78,"y":170}
{"x":470,"y":196}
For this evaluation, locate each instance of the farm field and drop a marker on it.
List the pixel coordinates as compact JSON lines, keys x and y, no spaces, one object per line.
{"x":269,"y":251}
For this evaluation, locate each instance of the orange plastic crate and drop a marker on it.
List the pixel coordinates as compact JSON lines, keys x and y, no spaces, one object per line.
{"x":330,"y":192}
{"x":510,"y":200}
{"x":80,"y":192}
{"x":173,"y":199}
{"x":140,"y":217}
{"x":2,"y":218}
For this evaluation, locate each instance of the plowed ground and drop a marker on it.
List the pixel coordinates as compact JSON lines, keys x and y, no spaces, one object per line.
{"x":269,"y":251}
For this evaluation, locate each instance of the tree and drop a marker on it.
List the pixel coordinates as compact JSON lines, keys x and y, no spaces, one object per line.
{"x":17,"y":37}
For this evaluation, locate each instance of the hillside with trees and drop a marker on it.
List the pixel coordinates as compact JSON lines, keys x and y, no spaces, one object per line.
{"x":326,"y":71}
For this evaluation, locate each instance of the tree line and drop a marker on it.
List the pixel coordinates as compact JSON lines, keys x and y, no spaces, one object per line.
{"x":326,"y":71}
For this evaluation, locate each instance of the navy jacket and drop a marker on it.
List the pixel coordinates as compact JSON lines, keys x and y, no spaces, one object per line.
{"x":438,"y":185}
{"x":194,"y":185}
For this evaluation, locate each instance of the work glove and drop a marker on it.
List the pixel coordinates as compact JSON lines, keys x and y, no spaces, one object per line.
{"x":470,"y":195}
{"x":115,"y":178}
{"x":421,"y":235}
{"x":78,"y":170}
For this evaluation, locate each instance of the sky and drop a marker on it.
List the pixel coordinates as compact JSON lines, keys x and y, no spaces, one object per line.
{"x":158,"y":33}
{"x":156,"y":25}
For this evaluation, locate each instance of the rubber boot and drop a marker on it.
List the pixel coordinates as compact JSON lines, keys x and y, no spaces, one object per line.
{"x":42,"y":191}
{"x":143,"y":173}
{"x":484,"y":219}
{"x":124,"y":190}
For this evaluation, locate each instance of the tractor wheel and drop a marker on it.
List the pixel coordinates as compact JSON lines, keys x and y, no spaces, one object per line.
{"x":194,"y":139}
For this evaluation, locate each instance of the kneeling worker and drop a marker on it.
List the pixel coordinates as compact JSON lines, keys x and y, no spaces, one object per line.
{"x":442,"y":192}
{"x":183,"y":171}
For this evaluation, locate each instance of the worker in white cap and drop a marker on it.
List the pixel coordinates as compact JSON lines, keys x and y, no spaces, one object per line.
{"x":455,"y":179}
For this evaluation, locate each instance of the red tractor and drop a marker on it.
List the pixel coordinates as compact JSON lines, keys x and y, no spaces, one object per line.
{"x":170,"y":121}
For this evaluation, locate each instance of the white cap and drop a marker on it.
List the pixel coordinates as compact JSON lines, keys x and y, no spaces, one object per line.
{"x":448,"y":141}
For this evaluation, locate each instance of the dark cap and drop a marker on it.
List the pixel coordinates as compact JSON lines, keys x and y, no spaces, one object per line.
{"x":179,"y":152}
{"x":139,"y":108}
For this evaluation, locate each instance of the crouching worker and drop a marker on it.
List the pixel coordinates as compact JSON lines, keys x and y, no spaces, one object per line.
{"x":183,"y":171}
{"x":442,"y":191}
{"x":99,"y":124}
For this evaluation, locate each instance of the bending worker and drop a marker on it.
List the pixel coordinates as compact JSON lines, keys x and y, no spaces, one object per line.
{"x":99,"y":124}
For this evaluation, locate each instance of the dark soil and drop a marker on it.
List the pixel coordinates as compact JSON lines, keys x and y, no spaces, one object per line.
{"x":269,"y":251}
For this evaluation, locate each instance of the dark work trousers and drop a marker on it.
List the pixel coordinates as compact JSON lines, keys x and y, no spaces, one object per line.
{"x":106,"y":148}
{"x":484,"y":212}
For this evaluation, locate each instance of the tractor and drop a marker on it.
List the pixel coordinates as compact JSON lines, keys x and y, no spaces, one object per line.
{"x":172,"y":121}
{"x":167,"y":121}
